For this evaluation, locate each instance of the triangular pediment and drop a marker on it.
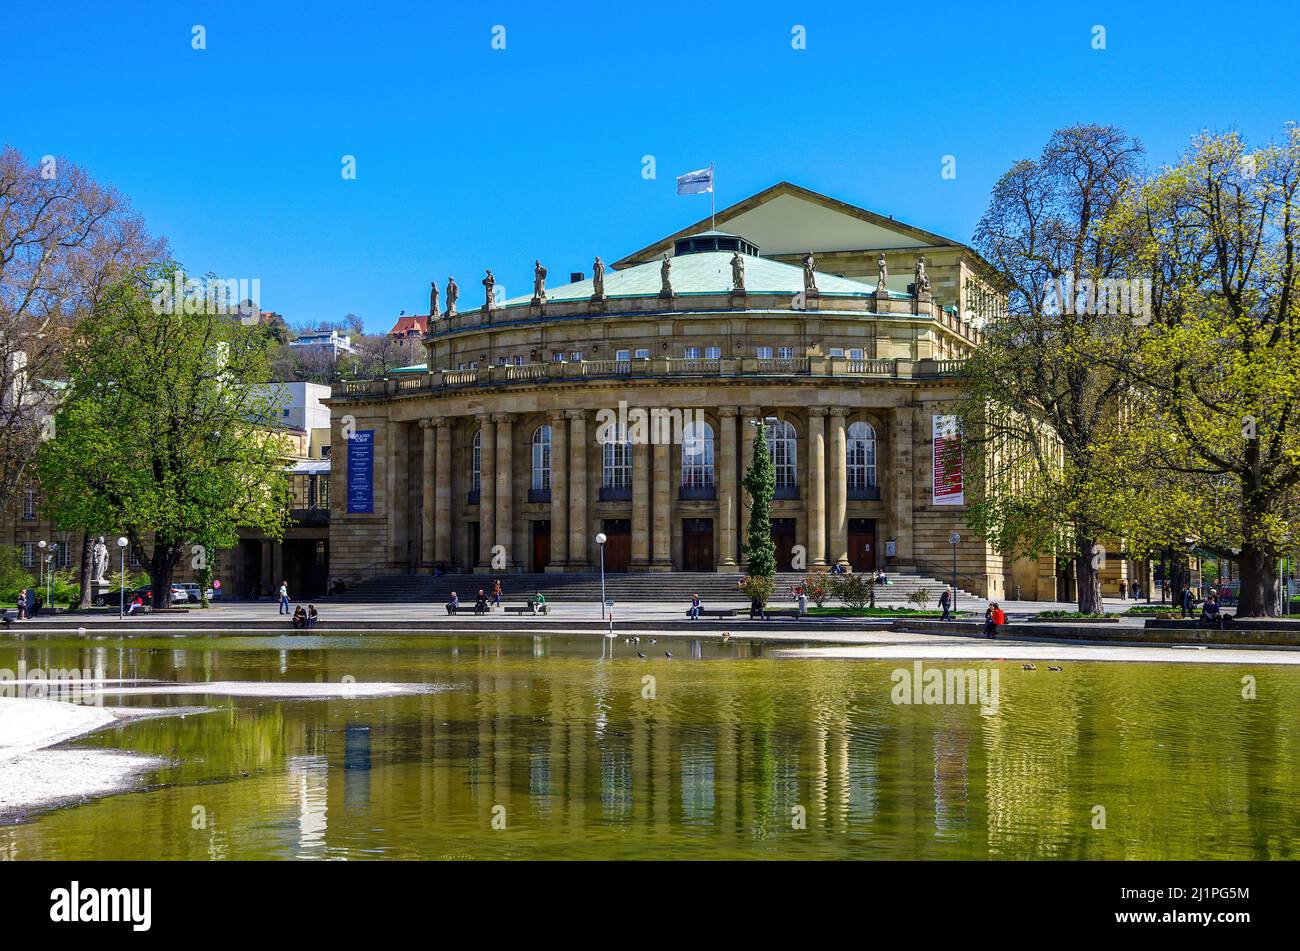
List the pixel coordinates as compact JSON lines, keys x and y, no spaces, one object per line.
{"x":788,"y":219}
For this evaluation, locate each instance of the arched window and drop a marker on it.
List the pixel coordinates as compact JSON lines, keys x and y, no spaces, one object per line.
{"x":697,"y":455}
{"x":542,"y":459}
{"x":861,"y":455}
{"x":783,"y":446}
{"x":476,"y":461}
{"x":616,"y":464}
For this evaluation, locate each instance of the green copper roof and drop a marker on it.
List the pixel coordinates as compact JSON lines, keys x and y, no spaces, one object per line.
{"x":413,"y":368}
{"x":707,"y":272}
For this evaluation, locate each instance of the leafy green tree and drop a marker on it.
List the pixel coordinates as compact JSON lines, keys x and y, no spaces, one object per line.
{"x":1040,"y":400}
{"x":167,"y":428}
{"x":760,"y":483}
{"x":1214,"y":436}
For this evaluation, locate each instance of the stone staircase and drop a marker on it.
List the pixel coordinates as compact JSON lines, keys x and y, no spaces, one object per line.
{"x":669,"y":588}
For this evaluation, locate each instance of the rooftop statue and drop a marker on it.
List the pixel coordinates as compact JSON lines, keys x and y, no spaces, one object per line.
{"x":737,"y":272}
{"x":809,"y":273}
{"x":453,"y":292}
{"x":883,"y":268}
{"x":598,"y":278}
{"x":539,"y":281}
{"x":489,"y":284}
{"x":922,"y":279}
{"x":433,"y":300}
{"x":665,"y":273}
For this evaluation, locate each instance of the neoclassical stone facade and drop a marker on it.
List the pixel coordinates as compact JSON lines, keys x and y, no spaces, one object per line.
{"x":500,"y":454}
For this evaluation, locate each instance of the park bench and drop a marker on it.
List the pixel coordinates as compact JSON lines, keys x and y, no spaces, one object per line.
{"x":717,"y":612}
{"x":465,"y":609}
{"x":525,"y":607}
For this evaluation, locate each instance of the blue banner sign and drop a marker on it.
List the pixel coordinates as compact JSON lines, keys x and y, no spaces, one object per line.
{"x":361,"y":472}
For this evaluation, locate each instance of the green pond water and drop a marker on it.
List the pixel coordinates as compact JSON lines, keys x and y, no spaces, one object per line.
{"x":566,"y":750}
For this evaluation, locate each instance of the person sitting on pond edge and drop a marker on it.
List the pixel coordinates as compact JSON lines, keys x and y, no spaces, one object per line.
{"x":694,"y":611}
{"x":453,"y":603}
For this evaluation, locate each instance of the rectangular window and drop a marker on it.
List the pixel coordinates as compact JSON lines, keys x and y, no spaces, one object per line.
{"x":29,"y":502}
{"x":856,"y":354}
{"x":29,"y":554}
{"x":558,"y":356}
{"x":622,"y":355}
{"x":576,"y":356}
{"x":764,"y":353}
{"x":501,"y":361}
{"x":134,"y":560}
{"x":462,"y":365}
{"x":837,"y":351}
{"x":324,"y":452}
{"x":785,"y":353}
{"x":63,"y":555}
{"x":712,"y":353}
{"x":692,"y":353}
{"x":643,"y":354}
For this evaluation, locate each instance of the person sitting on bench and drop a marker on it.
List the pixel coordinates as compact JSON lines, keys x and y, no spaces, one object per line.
{"x":1211,"y":616}
{"x":480,"y":603}
{"x":694,"y":612}
{"x":538,"y":604}
{"x":453,"y":603}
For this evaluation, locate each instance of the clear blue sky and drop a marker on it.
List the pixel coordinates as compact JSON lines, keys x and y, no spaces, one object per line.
{"x":469,"y":157}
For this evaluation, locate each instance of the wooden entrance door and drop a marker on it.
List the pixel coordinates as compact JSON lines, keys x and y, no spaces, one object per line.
{"x":862,"y":544}
{"x":618,"y":543}
{"x":783,"y":540}
{"x":697,"y":544}
{"x":541,"y":545}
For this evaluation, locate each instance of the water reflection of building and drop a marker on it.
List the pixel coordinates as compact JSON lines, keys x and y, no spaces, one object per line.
{"x":309,"y":778}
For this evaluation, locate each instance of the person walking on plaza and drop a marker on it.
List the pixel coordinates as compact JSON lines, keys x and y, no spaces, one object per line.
{"x":945,"y":602}
{"x":22,"y":605}
{"x":284,"y":598}
{"x":496,"y":593}
{"x":1123,"y":589}
{"x":1187,"y":601}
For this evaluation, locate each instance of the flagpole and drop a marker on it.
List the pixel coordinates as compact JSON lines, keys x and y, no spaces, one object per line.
{"x":713,"y":200}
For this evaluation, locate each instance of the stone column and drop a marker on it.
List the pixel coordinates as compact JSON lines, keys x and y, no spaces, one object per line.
{"x":641,"y":487}
{"x":559,"y":490}
{"x":900,"y":465}
{"x":838,"y":485}
{"x":817,"y":486}
{"x":487,"y":488}
{"x":747,"y":431}
{"x":727,"y":488}
{"x":577,"y":489}
{"x":662,"y":517}
{"x":442,"y":493}
{"x":505,"y":495}
{"x":427,"y":485}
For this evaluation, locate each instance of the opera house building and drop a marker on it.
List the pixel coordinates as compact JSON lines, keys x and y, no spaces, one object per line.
{"x":626,"y":400}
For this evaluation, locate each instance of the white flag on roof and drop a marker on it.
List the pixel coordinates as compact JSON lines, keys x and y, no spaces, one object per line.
{"x":696,"y":183}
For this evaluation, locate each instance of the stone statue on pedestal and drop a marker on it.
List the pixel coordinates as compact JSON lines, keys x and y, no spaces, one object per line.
{"x":598,"y":279}
{"x":489,"y":285}
{"x":737,"y":272}
{"x":453,"y":292}
{"x":539,"y":282}
{"x":666,"y":275}
{"x":433,"y":301}
{"x":98,"y":560}
{"x":883,"y":268}
{"x":922,"y":279}
{"x":809,"y":273}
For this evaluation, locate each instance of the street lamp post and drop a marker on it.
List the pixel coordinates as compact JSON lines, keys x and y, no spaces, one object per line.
{"x":600,"y":543}
{"x":953,"y":540}
{"x":121,"y":596}
{"x":42,"y":545}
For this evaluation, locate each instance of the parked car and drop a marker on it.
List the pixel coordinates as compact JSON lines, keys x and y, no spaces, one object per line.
{"x":192,"y":591}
